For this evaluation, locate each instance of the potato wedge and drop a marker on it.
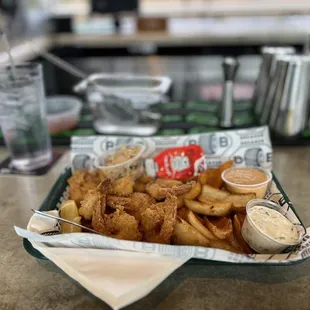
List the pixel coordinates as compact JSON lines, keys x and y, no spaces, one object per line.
{"x":239,"y":201}
{"x":66,"y":228}
{"x":238,"y":220}
{"x":234,"y":242}
{"x":182,"y":213}
{"x":214,"y":193}
{"x":185,"y":234}
{"x":225,"y":165}
{"x":216,"y":179}
{"x":241,"y":218}
{"x":195,"y":221}
{"x":194,"y":192}
{"x":205,"y":176}
{"x":221,"y":227}
{"x":180,"y":202}
{"x":69,"y":211}
{"x":224,"y":245}
{"x":209,"y":208}
{"x":206,"y":199}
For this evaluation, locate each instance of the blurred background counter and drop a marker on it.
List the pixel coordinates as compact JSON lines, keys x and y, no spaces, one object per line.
{"x":184,"y":23}
{"x":185,"y":40}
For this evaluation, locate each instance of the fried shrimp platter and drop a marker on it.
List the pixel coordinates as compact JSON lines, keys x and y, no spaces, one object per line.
{"x":193,"y":211}
{"x":118,"y":209}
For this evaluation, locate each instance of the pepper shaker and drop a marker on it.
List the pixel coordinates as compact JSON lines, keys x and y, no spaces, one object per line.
{"x":230,"y":66}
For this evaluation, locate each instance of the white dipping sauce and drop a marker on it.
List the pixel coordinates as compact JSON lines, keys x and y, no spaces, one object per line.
{"x":273,"y":224}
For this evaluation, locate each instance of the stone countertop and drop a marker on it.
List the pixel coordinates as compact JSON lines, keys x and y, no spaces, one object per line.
{"x":28,"y":283}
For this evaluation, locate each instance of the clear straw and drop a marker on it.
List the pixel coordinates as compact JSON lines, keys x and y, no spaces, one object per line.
{"x":7,"y":47}
{"x":62,"y":64}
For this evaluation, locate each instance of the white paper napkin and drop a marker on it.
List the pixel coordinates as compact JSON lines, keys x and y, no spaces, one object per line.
{"x":119,"y":278}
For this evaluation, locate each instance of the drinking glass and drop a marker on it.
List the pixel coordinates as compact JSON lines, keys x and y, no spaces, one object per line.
{"x":23,"y":116}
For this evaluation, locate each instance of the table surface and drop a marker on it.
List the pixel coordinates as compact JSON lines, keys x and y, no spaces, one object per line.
{"x":28,"y":283}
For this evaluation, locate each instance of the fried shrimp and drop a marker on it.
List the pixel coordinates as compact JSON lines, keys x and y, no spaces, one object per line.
{"x":158,"y":221}
{"x":161,"y":187}
{"x":99,"y":208}
{"x":139,"y":202}
{"x":140,"y":183}
{"x":115,"y":201}
{"x":95,"y":198}
{"x":81,"y":182}
{"x":168,"y":182}
{"x":145,"y":179}
{"x":196,"y":211}
{"x":123,"y":186}
{"x":90,"y":202}
{"x":134,"y":204}
{"x":121,"y":225}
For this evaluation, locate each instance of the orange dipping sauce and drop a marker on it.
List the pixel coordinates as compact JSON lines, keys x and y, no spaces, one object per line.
{"x":247,"y":180}
{"x":245,"y":176}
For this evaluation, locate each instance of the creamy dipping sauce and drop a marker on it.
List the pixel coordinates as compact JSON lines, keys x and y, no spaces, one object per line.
{"x":273,"y":224}
{"x":245,"y":176}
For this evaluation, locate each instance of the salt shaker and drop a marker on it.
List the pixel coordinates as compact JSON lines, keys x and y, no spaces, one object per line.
{"x":230,"y":66}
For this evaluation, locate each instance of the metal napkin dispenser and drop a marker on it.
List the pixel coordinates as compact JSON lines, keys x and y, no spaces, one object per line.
{"x":288,"y":98}
{"x":267,"y":70}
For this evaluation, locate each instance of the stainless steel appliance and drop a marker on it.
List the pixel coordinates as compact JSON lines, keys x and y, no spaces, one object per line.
{"x":120,"y":102}
{"x":290,"y":95}
{"x":266,"y":73}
